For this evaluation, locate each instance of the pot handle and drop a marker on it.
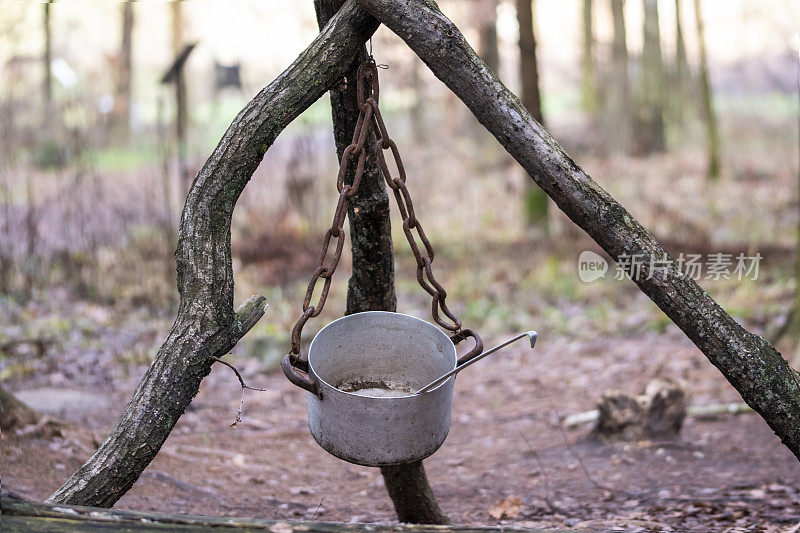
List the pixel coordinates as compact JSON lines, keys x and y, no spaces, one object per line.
{"x":301,"y":381}
{"x":475,"y":351}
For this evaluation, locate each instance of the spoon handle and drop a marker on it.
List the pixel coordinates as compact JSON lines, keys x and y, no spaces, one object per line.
{"x":532,"y":334}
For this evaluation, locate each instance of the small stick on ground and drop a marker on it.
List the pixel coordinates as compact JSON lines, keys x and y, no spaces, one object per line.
{"x":553,"y":507}
{"x":594,"y":482}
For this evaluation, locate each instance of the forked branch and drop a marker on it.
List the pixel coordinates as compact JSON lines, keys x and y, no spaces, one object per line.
{"x":206,"y":325}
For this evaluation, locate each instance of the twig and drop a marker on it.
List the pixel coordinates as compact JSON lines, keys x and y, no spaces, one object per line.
{"x":581,"y":418}
{"x":182,"y":485}
{"x":238,"y":419}
{"x":317,"y":509}
{"x":597,"y":484}
{"x":189,"y":448}
{"x":794,"y":529}
{"x":702,"y":411}
{"x":568,"y":446}
{"x":553,"y":507}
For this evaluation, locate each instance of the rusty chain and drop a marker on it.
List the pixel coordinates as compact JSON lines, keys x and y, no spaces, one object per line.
{"x":370,"y":120}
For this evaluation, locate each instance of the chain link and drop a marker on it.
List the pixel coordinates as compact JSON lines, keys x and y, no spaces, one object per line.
{"x":410,"y":222}
{"x":371,"y":121}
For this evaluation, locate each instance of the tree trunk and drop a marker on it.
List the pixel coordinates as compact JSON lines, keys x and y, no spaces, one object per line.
{"x":418,"y":108}
{"x":793,"y":322}
{"x":6,"y":245}
{"x":528,"y":65}
{"x":750,"y":363}
{"x":683,"y":77}
{"x":618,"y":114}
{"x":206,"y":324}
{"x":789,"y":334}
{"x":31,"y":261}
{"x":486,"y":19}
{"x":411,"y":494}
{"x":535,"y":204}
{"x":181,"y":104}
{"x":371,"y":286}
{"x":712,"y":132}
{"x":681,"y":63}
{"x":650,"y":116}
{"x":15,"y":414}
{"x":47,"y":58}
{"x":125,"y":72}
{"x":588,"y":82}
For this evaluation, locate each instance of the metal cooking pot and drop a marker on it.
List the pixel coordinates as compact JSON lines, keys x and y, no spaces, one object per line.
{"x":383,"y":348}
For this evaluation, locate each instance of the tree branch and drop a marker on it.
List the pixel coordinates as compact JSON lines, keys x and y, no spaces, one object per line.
{"x":750,"y":363}
{"x":206,"y":324}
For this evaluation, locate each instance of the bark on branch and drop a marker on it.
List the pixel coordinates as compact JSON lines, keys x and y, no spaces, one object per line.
{"x":206,"y":325}
{"x":750,"y":363}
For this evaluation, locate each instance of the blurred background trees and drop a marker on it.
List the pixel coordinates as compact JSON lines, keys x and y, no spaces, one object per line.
{"x":97,"y":155}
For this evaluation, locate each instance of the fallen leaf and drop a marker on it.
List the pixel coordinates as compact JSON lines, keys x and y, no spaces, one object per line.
{"x":506,"y":508}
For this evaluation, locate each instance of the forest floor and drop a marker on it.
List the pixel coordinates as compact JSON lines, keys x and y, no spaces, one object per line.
{"x":508,"y":458}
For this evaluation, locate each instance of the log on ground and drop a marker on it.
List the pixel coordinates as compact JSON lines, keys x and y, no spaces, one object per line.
{"x":20,"y":515}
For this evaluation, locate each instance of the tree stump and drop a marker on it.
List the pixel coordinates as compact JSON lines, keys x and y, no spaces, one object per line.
{"x":657,"y":414}
{"x":14,"y":414}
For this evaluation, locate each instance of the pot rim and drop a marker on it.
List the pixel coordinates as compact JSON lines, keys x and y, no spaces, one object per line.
{"x":426,"y":323}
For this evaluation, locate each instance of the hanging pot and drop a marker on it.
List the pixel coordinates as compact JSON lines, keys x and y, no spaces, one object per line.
{"x":373,"y":350}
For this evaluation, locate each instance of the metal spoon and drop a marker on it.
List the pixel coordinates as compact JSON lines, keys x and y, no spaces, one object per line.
{"x":532,"y":334}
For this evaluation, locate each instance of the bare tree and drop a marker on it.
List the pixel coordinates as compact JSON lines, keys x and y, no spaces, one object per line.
{"x":417,"y":115}
{"x":528,"y":64}
{"x":683,"y":76}
{"x":6,"y":242}
{"x":125,"y":71}
{"x":650,"y":109}
{"x":182,"y":111}
{"x":486,"y":17}
{"x":588,"y":81}
{"x":618,"y":95}
{"x":535,"y":200}
{"x":30,"y":266}
{"x":712,"y":130}
{"x":47,"y":56}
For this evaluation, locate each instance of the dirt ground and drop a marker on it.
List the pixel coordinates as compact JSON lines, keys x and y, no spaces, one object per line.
{"x":506,"y":442}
